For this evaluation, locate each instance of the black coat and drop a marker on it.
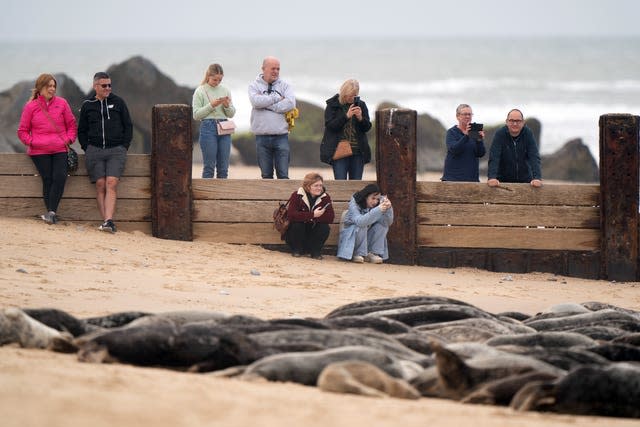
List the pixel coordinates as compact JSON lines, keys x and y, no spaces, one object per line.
{"x":335,"y":118}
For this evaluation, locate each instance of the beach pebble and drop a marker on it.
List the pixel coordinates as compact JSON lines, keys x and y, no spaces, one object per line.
{"x":255,"y":272}
{"x":223,"y":292}
{"x":22,"y":270}
{"x":508,"y":278}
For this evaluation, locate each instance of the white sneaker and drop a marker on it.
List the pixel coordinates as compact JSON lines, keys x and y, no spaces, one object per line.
{"x":357,"y":259}
{"x":373,"y":258}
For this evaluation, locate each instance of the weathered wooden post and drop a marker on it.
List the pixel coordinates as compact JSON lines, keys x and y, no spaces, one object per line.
{"x":619,"y":186}
{"x":396,"y":154}
{"x":171,"y":158}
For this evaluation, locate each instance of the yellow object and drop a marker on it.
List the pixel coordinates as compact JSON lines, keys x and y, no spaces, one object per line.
{"x":291,"y":116}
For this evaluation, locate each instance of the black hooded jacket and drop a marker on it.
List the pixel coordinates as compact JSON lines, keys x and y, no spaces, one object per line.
{"x":335,"y":119}
{"x":105,"y":123}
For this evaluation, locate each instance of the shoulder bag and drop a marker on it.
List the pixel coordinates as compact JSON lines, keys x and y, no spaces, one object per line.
{"x":280,"y":218}
{"x":343,"y":149}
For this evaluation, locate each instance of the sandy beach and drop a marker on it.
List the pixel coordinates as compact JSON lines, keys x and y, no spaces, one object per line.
{"x":89,"y":273}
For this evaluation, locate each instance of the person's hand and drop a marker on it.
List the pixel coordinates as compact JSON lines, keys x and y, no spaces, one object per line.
{"x":481,"y":133}
{"x":226,"y":101}
{"x":357,"y":111}
{"x":319,"y":212}
{"x":493,"y":182}
{"x":537,"y":183}
{"x":385,"y":205}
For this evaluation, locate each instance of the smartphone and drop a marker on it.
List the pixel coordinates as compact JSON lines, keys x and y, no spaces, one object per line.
{"x":356,"y":101}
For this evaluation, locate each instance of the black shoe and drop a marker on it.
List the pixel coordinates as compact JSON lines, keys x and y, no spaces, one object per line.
{"x":108,"y":226}
{"x":317,"y":256}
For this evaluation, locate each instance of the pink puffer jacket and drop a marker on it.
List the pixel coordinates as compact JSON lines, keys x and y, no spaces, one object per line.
{"x":37,"y":131}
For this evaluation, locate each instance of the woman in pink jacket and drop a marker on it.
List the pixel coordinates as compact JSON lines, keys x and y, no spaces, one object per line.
{"x":48,"y":128}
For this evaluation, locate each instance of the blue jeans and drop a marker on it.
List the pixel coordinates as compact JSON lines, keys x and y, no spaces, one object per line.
{"x":273,"y":151}
{"x":216,"y":150}
{"x":353,"y":166}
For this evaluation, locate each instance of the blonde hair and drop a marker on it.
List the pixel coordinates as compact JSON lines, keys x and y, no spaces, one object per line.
{"x":212,"y":70}
{"x":41,"y":82}
{"x":311,"y":178}
{"x":349,"y":87}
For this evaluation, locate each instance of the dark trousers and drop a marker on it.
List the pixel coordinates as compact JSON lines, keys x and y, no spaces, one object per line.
{"x":53,"y":171}
{"x":303,"y":237}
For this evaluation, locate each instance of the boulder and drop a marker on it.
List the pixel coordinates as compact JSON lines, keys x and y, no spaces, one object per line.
{"x":573,"y":162}
{"x":142,"y":85}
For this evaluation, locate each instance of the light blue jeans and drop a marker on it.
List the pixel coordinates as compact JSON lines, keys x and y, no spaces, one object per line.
{"x":371,"y":239}
{"x":216,"y":150}
{"x":273,"y":152}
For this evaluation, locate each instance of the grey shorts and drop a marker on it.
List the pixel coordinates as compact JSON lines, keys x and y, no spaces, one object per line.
{"x":105,"y":162}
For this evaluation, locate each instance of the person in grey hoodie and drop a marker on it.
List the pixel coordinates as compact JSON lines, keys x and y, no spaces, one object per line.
{"x":271,"y":98}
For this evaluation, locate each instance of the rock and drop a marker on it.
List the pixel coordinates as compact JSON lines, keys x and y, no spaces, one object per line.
{"x":142,"y":85}
{"x":573,"y":162}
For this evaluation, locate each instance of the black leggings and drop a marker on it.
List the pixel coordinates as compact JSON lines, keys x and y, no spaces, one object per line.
{"x":53,"y":171}
{"x":304,"y":237}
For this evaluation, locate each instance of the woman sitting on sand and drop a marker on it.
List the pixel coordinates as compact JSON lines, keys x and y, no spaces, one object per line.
{"x":364,"y":227}
{"x":310,"y":213}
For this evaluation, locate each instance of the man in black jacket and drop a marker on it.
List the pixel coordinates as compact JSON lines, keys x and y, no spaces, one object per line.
{"x":514,"y":155}
{"x":105,"y":132}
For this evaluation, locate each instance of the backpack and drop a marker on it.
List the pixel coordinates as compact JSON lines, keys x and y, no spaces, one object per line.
{"x":280,"y":219}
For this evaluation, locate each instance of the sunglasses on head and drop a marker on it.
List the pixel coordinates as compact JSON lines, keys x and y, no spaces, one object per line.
{"x":105,"y":85}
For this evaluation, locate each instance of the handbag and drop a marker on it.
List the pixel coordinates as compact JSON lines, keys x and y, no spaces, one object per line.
{"x":280,"y":218}
{"x":226,"y":127}
{"x":343,"y":149}
{"x":72,"y":160}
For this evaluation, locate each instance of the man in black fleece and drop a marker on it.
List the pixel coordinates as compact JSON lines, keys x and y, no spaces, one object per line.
{"x":514,"y":155}
{"x":105,"y":132}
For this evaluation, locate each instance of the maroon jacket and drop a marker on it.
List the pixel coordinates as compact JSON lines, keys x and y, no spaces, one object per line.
{"x":300,"y":210}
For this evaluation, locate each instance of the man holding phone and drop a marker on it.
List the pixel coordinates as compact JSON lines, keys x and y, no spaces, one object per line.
{"x":465,"y":145}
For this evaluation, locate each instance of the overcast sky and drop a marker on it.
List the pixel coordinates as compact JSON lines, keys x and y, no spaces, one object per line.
{"x":234,"y":19}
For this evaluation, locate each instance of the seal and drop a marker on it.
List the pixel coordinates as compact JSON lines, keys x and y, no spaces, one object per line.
{"x":365,"y":379}
{"x":305,"y":367}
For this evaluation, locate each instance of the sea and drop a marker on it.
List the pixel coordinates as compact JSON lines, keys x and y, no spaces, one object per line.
{"x":566,"y":83}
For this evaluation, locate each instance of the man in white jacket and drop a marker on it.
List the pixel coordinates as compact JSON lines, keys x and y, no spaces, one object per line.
{"x":270,"y":99}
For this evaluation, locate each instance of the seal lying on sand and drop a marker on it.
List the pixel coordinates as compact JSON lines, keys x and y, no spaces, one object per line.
{"x":159,"y":341}
{"x":612,"y":390}
{"x":365,"y":379}
{"x":16,"y":327}
{"x":305,"y":367}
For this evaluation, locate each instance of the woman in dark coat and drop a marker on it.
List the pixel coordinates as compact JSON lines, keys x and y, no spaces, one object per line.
{"x":310,"y":212}
{"x":346,"y":118}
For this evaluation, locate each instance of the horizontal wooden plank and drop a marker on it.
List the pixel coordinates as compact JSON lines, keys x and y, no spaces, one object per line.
{"x":266,"y":189}
{"x":508,"y":215}
{"x":76,"y":209}
{"x":517,"y":194}
{"x":508,"y":238}
{"x":130,"y":187}
{"x":245,"y":233}
{"x":21,"y":164}
{"x":244,"y":210}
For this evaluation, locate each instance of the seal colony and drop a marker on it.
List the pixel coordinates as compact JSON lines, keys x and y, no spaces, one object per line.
{"x":581,"y":359}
